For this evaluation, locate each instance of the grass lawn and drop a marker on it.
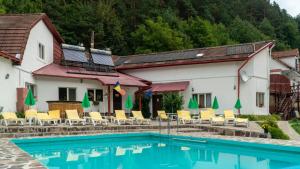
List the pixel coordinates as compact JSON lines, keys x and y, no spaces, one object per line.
{"x":296,"y":125}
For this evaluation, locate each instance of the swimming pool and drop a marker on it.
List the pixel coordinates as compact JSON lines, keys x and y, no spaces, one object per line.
{"x":154,"y":151}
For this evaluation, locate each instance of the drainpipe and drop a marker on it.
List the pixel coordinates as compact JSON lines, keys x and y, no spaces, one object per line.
{"x":270,"y":45}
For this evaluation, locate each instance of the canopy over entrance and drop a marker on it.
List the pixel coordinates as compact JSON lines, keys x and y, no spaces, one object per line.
{"x":170,"y":87}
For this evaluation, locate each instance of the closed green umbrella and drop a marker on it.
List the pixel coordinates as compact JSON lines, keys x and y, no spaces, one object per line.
{"x":238,"y":104}
{"x":191,"y":104}
{"x":129,"y":103}
{"x":215,"y":103}
{"x":29,"y":101}
{"x":196,"y":105}
{"x":85,"y":102}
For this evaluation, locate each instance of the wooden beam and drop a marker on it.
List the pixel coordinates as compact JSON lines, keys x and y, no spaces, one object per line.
{"x":108,"y":100}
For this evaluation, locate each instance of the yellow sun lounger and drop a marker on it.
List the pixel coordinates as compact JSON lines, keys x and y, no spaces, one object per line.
{"x":55,"y":115}
{"x":97,"y":118}
{"x":30,"y":115}
{"x":162,"y":115}
{"x":43,"y":118}
{"x":230,"y":118}
{"x":11,"y":117}
{"x":72,"y":116}
{"x":185,"y":117}
{"x":139,"y":118}
{"x":121,"y":118}
{"x":205,"y":116}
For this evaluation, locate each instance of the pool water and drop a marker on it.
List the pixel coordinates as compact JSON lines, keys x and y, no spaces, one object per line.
{"x":153,"y":151}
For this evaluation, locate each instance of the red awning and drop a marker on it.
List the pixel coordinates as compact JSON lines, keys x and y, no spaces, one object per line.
{"x":55,"y":70}
{"x":169,"y":87}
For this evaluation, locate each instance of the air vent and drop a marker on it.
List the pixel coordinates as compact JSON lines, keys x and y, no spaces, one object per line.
{"x":200,"y":55}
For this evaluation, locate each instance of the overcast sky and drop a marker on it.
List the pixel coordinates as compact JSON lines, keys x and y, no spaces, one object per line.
{"x":291,"y":6}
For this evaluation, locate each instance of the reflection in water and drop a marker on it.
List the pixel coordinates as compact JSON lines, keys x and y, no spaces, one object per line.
{"x":151,"y":153}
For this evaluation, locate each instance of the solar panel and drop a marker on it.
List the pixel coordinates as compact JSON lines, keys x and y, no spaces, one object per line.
{"x":242,"y":49}
{"x":74,"y":53}
{"x":102,"y":59}
{"x":161,"y":57}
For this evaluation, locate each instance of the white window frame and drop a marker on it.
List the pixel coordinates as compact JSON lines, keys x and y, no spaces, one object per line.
{"x":68,"y":88}
{"x":260,"y":98}
{"x":205,"y":99}
{"x":94,"y":99}
{"x":41,"y":51}
{"x":33,"y":88}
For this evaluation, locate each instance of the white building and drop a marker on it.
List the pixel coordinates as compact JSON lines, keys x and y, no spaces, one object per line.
{"x":29,"y":42}
{"x":32,"y":56}
{"x":227,"y":72}
{"x":284,"y":88}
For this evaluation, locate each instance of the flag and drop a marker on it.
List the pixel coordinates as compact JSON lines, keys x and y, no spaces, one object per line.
{"x":118,"y":88}
{"x":148,"y":93}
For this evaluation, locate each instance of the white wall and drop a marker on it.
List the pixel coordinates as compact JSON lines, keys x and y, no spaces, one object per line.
{"x":276,"y":65}
{"x":31,"y":61}
{"x":7,"y":86}
{"x":259,"y":72}
{"x":290,"y":61}
{"x":220,"y":79}
{"x":47,"y":90}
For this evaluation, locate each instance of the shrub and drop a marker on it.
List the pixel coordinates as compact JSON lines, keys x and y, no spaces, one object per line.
{"x":172,"y":102}
{"x":296,"y":125}
{"x":277,"y":133}
{"x":20,"y":114}
{"x":261,"y":117}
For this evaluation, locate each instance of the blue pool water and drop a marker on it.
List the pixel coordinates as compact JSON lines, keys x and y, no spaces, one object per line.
{"x":153,"y":151}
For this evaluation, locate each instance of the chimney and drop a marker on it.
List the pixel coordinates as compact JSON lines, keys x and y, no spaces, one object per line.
{"x":93,"y":40}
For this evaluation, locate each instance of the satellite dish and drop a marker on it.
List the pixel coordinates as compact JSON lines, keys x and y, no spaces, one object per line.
{"x":244,"y":76}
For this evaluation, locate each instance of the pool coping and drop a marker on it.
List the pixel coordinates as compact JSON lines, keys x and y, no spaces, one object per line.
{"x":27,"y":161}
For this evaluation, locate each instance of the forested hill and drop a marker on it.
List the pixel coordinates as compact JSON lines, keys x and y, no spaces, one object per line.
{"x":141,"y":26}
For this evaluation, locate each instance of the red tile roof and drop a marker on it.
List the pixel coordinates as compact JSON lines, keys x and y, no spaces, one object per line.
{"x":239,"y":52}
{"x":285,"y":54}
{"x":15,"y":29}
{"x":8,"y":56}
{"x":54,"y":70}
{"x":169,"y":87}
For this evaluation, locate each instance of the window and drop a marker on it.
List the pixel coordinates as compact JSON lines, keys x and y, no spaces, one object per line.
{"x":203,"y":99}
{"x":41,"y":51}
{"x":32,"y":87}
{"x":67,"y":94}
{"x":95,"y":95}
{"x":260,"y":99}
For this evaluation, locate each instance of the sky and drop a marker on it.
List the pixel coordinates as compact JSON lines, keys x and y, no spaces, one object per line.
{"x":291,"y":6}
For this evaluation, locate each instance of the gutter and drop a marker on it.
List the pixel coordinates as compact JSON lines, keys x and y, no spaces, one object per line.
{"x":270,"y":45}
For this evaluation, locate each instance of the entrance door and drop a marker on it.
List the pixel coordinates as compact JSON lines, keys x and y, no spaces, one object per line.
{"x":157,"y":104}
{"x":117,"y":100}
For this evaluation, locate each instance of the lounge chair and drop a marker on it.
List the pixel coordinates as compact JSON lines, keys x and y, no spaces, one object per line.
{"x":217,"y":120}
{"x":185,"y":117}
{"x":139,"y":118}
{"x":72,"y":116}
{"x":205,"y":116}
{"x":230,"y":118}
{"x":97,"y":118}
{"x":30,"y":115}
{"x":43,"y":118}
{"x":162,"y":115}
{"x":55,"y":115}
{"x":121,"y":118}
{"x":11,"y":117}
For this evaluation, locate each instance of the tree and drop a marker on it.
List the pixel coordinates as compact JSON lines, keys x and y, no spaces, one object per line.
{"x":243,"y":31}
{"x":266,"y":27}
{"x":156,"y":36}
{"x":172,"y":102}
